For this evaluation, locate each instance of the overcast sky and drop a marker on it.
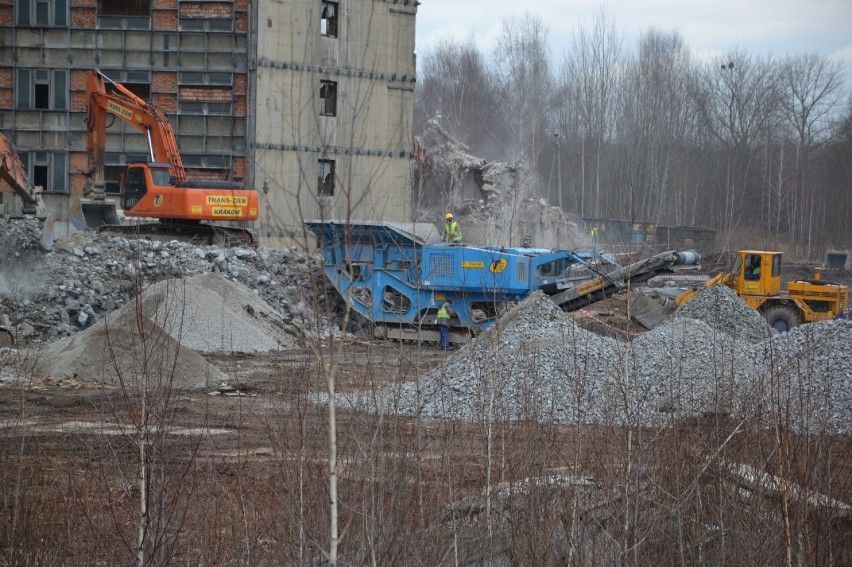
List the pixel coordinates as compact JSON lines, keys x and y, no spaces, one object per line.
{"x":709,"y":27}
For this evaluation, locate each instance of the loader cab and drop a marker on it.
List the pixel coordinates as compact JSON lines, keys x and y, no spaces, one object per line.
{"x":757,"y":272}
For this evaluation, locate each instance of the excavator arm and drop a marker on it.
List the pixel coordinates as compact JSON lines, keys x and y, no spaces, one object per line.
{"x":12,"y":171}
{"x":104,"y":96}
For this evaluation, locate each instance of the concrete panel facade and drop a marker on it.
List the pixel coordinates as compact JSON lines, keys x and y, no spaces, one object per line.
{"x":369,"y":59}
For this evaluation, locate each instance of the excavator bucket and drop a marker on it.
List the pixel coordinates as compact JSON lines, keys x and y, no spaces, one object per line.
{"x":650,"y":311}
{"x":92,"y":214}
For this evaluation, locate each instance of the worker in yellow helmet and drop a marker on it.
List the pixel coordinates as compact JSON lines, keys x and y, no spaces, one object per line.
{"x":452,"y":234}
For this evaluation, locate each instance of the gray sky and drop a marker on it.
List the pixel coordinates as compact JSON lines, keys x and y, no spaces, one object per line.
{"x":709,"y":27}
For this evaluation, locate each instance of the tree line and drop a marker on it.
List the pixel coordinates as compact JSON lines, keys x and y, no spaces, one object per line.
{"x":758,"y":148}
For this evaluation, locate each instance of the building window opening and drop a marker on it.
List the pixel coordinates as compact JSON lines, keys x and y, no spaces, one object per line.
{"x":328,"y":23}
{"x":42,"y":96}
{"x":40,"y":175}
{"x":124,"y":7}
{"x":36,"y":90}
{"x":325,"y":175}
{"x":42,"y":13}
{"x":47,"y":170}
{"x":328,"y":98}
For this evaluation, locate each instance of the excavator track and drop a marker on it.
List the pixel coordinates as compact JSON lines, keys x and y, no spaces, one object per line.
{"x":199,"y":234}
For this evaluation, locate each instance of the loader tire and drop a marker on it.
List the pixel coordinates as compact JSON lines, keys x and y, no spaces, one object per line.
{"x":783,"y":318}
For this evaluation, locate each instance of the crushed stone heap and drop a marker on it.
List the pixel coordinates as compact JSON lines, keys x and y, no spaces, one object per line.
{"x":721,"y":308}
{"x":208,"y":313}
{"x":172,"y":321}
{"x":537,"y":364}
{"x":46,"y":295}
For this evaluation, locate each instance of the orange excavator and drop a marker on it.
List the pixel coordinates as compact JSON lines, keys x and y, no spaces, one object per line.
{"x":12,"y":171}
{"x":159,"y":188}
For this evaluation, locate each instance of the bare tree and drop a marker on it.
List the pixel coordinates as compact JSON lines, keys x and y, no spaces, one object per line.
{"x":812,"y":94}
{"x":522,"y":71}
{"x":591,"y":73}
{"x":654,"y":128}
{"x":739,"y":98}
{"x":455,"y":85}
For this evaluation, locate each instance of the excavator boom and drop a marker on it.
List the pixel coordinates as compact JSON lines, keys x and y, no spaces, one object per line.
{"x":105,"y":97}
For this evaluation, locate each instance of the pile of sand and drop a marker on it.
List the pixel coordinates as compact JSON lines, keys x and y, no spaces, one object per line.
{"x":159,"y":335}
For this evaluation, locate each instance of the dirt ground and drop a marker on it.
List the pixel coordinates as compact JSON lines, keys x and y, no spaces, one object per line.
{"x":242,"y":441}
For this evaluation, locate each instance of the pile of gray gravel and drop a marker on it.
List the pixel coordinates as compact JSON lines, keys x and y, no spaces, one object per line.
{"x":536,"y":364}
{"x":160,"y":335}
{"x":720,"y":307}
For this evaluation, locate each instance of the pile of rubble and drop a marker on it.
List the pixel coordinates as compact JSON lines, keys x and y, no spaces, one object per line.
{"x":716,"y":356}
{"x":46,"y":295}
{"x":495,"y":203}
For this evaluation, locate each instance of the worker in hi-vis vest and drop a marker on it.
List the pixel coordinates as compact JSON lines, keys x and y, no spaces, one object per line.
{"x":452,"y":233}
{"x":445,"y":312}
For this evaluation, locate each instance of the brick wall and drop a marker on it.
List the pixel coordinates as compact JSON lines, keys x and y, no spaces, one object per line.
{"x":239,"y":167}
{"x":164,"y":20}
{"x":240,"y":82}
{"x":164,"y":4}
{"x":206,"y":10}
{"x":78,"y":89}
{"x":78,"y":80}
{"x":164,"y":81}
{"x":6,"y":88}
{"x":205,"y":94}
{"x":78,"y":162}
{"x":165,"y":102}
{"x":6,"y":13}
{"x":207,"y":174}
{"x":84,"y":18}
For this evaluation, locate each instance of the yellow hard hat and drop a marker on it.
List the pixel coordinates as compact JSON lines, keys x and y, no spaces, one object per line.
{"x":448,"y":216}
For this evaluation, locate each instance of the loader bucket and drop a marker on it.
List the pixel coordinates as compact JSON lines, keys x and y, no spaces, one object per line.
{"x":649,"y":311}
{"x":92,"y":214}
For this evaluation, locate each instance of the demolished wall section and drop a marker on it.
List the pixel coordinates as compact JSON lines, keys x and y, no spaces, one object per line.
{"x":492,"y":201}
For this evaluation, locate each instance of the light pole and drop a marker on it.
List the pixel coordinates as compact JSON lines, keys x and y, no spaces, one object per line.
{"x":558,"y":168}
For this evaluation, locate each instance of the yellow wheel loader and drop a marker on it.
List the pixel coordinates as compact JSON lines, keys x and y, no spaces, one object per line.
{"x":756,"y":279}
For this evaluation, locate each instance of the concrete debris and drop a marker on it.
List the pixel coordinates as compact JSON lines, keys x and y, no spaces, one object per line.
{"x":494,"y":202}
{"x":715,"y":357}
{"x":49,"y":295}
